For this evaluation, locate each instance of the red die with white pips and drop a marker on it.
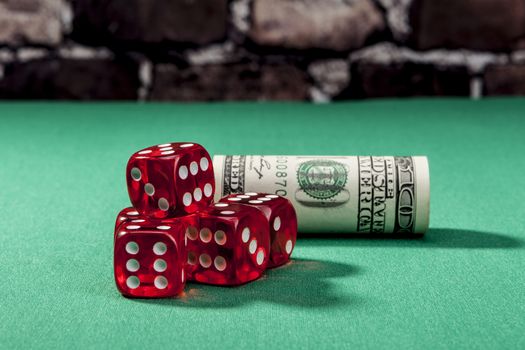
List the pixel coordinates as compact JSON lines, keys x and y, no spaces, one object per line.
{"x":229,"y":245}
{"x":149,"y":258}
{"x":172,"y":179}
{"x":128,"y":215}
{"x":282,"y":220}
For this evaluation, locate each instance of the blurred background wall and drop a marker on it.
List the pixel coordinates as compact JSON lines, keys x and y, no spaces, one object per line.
{"x":320,"y":50}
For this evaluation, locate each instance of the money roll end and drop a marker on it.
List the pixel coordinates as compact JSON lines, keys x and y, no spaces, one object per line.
{"x":422,"y":175}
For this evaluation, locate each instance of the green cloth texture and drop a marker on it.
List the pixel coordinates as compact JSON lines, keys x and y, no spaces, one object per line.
{"x":461,"y":286}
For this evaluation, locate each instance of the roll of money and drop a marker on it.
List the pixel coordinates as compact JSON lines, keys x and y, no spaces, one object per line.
{"x":337,"y":194}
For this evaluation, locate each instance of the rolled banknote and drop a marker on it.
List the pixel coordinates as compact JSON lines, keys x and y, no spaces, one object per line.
{"x":337,"y":194}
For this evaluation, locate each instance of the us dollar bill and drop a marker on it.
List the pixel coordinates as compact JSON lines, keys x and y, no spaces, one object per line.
{"x":337,"y":194}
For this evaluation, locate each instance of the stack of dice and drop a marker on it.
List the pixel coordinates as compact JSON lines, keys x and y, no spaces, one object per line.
{"x":176,"y":233}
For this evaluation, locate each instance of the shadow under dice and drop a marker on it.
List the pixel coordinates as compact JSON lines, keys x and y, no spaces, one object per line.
{"x":282,"y":220}
{"x":171,"y":179}
{"x":149,"y":259}
{"x":229,"y":245}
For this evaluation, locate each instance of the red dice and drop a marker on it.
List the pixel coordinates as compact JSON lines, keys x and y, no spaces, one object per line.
{"x":172,"y":179}
{"x":229,"y":245}
{"x":149,"y":258}
{"x":174,"y":232}
{"x":127,"y":215}
{"x":282,"y":220}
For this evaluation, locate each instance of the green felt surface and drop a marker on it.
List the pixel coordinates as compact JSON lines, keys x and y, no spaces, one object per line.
{"x":461,"y":286}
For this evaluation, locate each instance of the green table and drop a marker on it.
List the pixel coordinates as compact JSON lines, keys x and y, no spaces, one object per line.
{"x":461,"y":286}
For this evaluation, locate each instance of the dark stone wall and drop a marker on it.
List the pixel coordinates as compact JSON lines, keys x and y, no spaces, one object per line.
{"x":210,"y":50}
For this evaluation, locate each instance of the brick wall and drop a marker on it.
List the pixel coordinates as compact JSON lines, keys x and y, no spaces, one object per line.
{"x":321,"y":50}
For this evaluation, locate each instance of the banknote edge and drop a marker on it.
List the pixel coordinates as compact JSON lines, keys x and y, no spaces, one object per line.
{"x":422,"y":194}
{"x":218,"y":168}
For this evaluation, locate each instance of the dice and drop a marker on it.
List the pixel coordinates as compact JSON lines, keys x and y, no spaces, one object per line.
{"x":172,"y":179}
{"x":282,"y":220}
{"x":150,"y":257}
{"x":126,"y":215}
{"x":174,"y":232}
{"x":228,"y":244}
